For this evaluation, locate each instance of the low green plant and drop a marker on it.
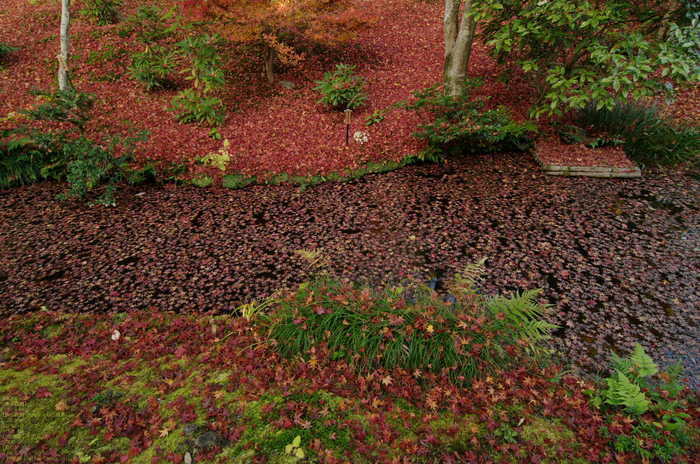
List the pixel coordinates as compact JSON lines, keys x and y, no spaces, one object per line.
{"x":342,"y":89}
{"x":102,"y":12}
{"x":294,"y":448}
{"x":376,"y":117}
{"x":149,"y":24}
{"x":459,"y":123}
{"x":71,"y":107}
{"x":152,"y":66}
{"x":68,"y":152}
{"x":421,"y":333}
{"x":202,"y":182}
{"x":236,"y":181}
{"x":6,"y":50}
{"x":89,"y":166}
{"x":190,"y":106}
{"x":652,"y":398}
{"x":252,"y":310}
{"x":20,"y":162}
{"x":650,"y":135}
{"x":220,"y":159}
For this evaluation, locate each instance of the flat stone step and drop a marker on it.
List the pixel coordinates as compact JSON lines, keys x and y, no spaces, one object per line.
{"x":589,"y":171}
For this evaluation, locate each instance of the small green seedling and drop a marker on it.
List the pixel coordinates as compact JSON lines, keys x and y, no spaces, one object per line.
{"x":294,"y":448}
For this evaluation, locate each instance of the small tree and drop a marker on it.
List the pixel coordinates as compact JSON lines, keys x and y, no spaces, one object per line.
{"x":267,"y":21}
{"x":576,"y":52}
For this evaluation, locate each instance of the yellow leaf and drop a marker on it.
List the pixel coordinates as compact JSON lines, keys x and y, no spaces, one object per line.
{"x":387,"y":380}
{"x":430,"y":329}
{"x":61,"y":406}
{"x":164,"y":433}
{"x":313,"y":362}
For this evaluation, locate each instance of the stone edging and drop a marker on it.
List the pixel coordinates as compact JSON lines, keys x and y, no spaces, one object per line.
{"x":588,"y":171}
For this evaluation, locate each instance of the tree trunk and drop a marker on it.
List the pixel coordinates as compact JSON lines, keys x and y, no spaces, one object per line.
{"x":269,"y":64}
{"x":269,"y":53}
{"x":459,"y":36}
{"x":63,"y":79}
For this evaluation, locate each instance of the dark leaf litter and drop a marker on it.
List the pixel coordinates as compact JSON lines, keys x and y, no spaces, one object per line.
{"x":618,"y":259}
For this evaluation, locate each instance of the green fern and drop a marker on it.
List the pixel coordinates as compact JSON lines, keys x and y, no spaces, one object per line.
{"x":471,"y":273}
{"x":639,"y":365}
{"x":622,"y":392}
{"x":522,"y":311}
{"x":644,"y":366}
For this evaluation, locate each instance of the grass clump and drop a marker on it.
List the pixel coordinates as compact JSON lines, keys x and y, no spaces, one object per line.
{"x":650,"y":135}
{"x":461,"y":338}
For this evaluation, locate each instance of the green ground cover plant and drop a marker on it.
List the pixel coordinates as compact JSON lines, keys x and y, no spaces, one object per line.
{"x":102,"y":12}
{"x":343,"y":89}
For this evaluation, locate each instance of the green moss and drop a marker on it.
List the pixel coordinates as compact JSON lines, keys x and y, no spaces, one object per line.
{"x":538,"y":430}
{"x":455,"y":441}
{"x":28,"y":417}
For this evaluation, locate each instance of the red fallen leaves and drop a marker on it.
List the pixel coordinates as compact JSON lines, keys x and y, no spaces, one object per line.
{"x":529,"y":387}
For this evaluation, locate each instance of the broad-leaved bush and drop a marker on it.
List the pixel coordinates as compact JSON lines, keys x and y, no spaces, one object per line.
{"x":343,"y":89}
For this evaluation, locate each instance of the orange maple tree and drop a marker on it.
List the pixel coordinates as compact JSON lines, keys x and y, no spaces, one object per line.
{"x":271,"y":22}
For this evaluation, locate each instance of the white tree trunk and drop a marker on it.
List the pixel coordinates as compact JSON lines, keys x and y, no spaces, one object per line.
{"x":63,"y":80}
{"x":459,"y":36}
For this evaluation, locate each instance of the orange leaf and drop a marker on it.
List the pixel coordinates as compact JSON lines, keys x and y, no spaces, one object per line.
{"x":61,"y":406}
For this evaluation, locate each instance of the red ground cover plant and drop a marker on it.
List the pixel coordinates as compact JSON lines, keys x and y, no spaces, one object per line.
{"x":271,"y":129}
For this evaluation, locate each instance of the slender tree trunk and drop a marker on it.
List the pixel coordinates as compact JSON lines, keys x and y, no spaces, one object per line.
{"x":269,"y":54}
{"x":459,"y":36}
{"x":269,"y":64}
{"x":63,"y":80}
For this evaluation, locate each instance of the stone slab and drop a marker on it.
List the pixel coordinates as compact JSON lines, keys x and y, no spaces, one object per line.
{"x":589,"y":171}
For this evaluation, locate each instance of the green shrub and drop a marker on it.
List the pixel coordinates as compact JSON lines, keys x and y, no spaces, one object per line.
{"x":68,"y":152}
{"x":90,"y":166}
{"x":103,"y":12}
{"x":342,"y":89}
{"x":149,"y":24}
{"x":459,"y":123}
{"x":463,"y":340}
{"x":20,"y":162}
{"x":152,"y":66}
{"x":652,"y":398}
{"x":205,"y":62}
{"x":193,"y":107}
{"x":649,"y":136}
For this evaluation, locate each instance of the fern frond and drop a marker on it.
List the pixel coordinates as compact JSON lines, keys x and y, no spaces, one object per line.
{"x":471,"y":273}
{"x":522,"y":311}
{"x":622,"y":392}
{"x":644,"y":366}
{"x":537,"y":330}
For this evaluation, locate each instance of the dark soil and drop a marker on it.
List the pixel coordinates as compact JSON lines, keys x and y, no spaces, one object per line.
{"x":618,"y":259}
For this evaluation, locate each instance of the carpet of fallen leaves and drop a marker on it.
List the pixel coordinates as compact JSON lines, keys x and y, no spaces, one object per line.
{"x":152,"y":387}
{"x":618,"y":259}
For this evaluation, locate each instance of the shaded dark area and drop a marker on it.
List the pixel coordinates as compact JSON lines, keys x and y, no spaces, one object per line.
{"x":618,"y":259}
